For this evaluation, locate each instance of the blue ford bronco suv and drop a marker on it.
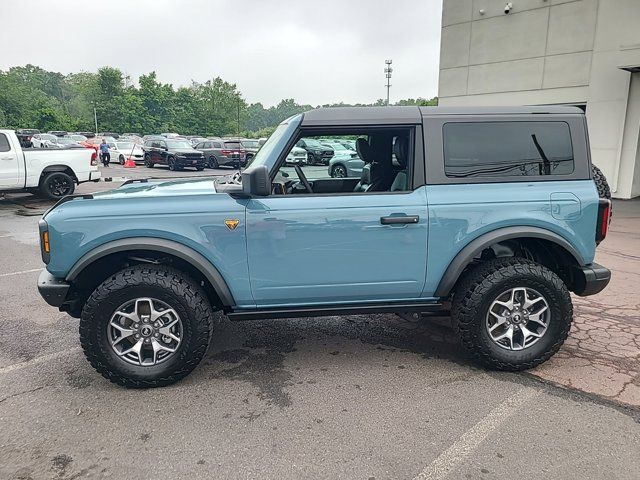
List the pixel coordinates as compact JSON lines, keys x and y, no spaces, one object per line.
{"x":491,"y":214}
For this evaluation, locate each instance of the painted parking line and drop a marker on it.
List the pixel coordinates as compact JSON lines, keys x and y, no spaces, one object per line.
{"x":20,"y":272}
{"x":448,"y":460}
{"x":38,"y":360}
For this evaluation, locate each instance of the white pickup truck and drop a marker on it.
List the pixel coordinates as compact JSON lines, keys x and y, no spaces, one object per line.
{"x":54,"y":173}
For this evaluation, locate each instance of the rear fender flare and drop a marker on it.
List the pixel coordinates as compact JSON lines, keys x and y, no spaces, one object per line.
{"x":476,"y":246}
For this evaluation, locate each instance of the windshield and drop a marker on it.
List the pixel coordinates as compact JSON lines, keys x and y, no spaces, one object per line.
{"x":250,"y":143}
{"x":276,"y":142}
{"x":179,"y":144}
{"x":125,"y":145}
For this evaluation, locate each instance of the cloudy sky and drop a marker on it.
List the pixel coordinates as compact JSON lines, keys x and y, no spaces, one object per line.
{"x":315,"y":52}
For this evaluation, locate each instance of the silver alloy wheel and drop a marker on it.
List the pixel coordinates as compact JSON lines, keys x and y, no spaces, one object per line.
{"x":518,"y":318}
{"x":145,"y":331}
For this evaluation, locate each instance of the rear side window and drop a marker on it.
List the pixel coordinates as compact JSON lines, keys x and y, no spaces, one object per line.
{"x":507,"y":149}
{"x":217,"y":145}
{"x":4,"y":143}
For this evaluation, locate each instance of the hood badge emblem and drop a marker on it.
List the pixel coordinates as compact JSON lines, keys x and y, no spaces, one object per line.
{"x":231,"y":224}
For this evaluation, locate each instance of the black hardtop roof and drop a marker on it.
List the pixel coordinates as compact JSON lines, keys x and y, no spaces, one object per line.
{"x":413,"y":114}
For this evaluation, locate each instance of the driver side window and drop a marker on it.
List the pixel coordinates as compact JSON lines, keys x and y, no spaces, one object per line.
{"x":362,"y":161}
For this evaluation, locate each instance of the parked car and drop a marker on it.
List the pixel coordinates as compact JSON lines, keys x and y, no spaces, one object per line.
{"x":176,"y":154}
{"x":250,"y":146}
{"x":25,"y":134}
{"x":86,"y":134}
{"x":223,"y":153}
{"x":194,"y":139}
{"x":131,"y":138}
{"x":58,"y":133}
{"x":109,"y":134}
{"x":121,"y":150}
{"x":76,"y":137}
{"x":297,"y":156}
{"x":43,"y":140}
{"x":317,"y":153}
{"x":345,"y":163}
{"x":65,"y":142}
{"x":153,"y":137}
{"x":496,"y":215}
{"x":51,"y":173}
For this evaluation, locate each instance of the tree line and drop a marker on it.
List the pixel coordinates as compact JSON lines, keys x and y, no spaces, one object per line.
{"x":31,"y":97}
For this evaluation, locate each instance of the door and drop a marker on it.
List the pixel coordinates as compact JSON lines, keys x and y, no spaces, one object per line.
{"x":307,"y":249}
{"x":11,"y":171}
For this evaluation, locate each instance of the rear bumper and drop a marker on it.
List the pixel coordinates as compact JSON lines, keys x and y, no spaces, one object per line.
{"x":53,"y":290}
{"x":590,"y":279}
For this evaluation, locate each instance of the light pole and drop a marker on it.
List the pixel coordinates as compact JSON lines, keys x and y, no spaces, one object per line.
{"x":387,"y":72}
{"x":95,"y":118}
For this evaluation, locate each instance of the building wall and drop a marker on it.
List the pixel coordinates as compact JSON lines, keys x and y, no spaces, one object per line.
{"x":552,"y":52}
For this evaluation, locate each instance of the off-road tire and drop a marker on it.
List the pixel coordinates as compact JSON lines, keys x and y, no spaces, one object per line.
{"x":157,"y":281}
{"x":481,"y":286}
{"x":601,"y":183}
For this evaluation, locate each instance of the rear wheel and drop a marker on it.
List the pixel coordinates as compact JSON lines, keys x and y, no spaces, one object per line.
{"x":147,"y":162}
{"x":511,"y":313}
{"x":213,"y":162}
{"x":146,"y":326}
{"x":56,"y":185}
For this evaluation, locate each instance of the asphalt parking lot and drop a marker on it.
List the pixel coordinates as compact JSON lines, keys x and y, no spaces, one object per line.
{"x":370,"y":397}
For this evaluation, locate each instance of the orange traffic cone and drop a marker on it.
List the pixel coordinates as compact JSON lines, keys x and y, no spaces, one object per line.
{"x":129,"y":163}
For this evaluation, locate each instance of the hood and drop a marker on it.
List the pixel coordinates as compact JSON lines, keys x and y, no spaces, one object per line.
{"x":184,"y":150}
{"x":159,"y":188}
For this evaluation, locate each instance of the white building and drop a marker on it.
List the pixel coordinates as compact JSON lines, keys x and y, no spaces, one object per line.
{"x":575,"y":52}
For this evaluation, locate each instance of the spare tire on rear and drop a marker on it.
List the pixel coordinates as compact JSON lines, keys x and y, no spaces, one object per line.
{"x":601,"y":183}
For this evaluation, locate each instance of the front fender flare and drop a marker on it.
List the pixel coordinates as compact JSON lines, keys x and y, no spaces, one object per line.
{"x":475,"y":247}
{"x":179,"y":250}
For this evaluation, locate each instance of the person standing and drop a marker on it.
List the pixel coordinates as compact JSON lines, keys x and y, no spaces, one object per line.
{"x":104,"y":153}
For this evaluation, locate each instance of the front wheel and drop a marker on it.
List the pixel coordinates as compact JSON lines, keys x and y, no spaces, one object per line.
{"x":121,"y":159}
{"x":338,"y":171}
{"x":146,"y":326}
{"x":213,"y":162}
{"x":147,"y":162}
{"x":511,"y":313}
{"x":56,"y":185}
{"x":172,"y":164}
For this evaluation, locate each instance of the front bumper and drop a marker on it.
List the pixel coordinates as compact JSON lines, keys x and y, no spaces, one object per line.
{"x":590,"y":279}
{"x":190,"y":162}
{"x":53,"y":290}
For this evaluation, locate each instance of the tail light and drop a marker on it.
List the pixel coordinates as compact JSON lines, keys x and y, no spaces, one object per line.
{"x":604,"y":217}
{"x":94,"y":158}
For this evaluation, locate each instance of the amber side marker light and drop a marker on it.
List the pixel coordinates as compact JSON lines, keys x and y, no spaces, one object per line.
{"x":45,"y":242}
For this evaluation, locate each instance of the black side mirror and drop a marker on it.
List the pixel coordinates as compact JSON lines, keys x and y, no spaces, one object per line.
{"x":256,"y":181}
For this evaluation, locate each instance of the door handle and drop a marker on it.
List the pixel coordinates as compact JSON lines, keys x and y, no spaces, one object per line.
{"x":399,"y":219}
{"x":8,"y":158}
